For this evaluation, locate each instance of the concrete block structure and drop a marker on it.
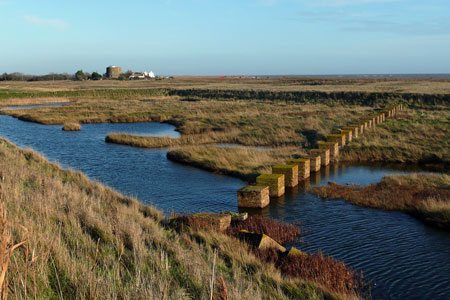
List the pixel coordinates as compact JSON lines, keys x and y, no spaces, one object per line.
{"x":333,"y":147}
{"x":290,"y":173}
{"x":275,"y":183}
{"x":353,"y":128}
{"x":260,"y":240}
{"x":339,"y":138}
{"x":253,"y":196}
{"x":303,"y":167}
{"x":324,"y":155}
{"x":217,"y":221}
{"x":315,"y":162}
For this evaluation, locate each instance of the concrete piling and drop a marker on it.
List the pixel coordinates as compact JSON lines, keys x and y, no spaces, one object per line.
{"x":332,"y":146}
{"x":339,"y":138}
{"x":275,"y":183}
{"x":353,"y":128}
{"x":303,"y":167}
{"x":290,"y":173}
{"x":315,"y":162}
{"x":324,"y":155}
{"x":253,"y":196}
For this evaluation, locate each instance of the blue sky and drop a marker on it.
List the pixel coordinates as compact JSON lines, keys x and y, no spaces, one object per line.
{"x":206,"y":37}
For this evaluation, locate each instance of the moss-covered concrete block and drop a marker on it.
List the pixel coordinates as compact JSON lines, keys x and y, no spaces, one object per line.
{"x":337,"y":137}
{"x":334,"y":149}
{"x":290,"y":173}
{"x":275,"y":183}
{"x":314,"y":161}
{"x":253,"y":196}
{"x":353,"y":128}
{"x":260,"y":241}
{"x":324,"y":155}
{"x":303,"y":167}
{"x":216,"y":221}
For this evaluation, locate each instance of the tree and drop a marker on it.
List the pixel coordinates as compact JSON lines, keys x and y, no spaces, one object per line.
{"x":96,"y":76}
{"x":79,"y":75}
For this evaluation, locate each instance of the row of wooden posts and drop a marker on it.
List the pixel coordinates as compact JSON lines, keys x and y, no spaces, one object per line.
{"x":299,"y":169}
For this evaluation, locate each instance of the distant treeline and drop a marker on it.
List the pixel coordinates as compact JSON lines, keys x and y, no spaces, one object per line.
{"x":79,"y":75}
{"x":23,"y":77}
{"x":314,"y":97}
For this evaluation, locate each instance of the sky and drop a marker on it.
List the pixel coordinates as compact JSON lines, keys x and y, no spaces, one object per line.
{"x":229,"y":37}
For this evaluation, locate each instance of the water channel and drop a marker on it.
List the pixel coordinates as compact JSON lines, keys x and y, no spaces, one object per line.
{"x":401,"y":257}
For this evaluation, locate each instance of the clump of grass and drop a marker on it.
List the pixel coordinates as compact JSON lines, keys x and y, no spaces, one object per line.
{"x":425,"y":196}
{"x":318,"y":268}
{"x":279,"y":231}
{"x":71,"y":126}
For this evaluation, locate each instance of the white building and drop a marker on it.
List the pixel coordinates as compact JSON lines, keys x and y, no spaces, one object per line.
{"x":142,"y":75}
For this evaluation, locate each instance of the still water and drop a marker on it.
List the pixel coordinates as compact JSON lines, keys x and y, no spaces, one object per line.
{"x":398,"y":255}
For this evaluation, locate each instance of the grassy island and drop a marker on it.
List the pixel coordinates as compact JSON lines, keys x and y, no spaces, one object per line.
{"x":426,"y":197}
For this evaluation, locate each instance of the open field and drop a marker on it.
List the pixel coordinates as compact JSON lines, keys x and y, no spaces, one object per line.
{"x":426,"y":197}
{"x":290,"y":127}
{"x":421,"y":86}
{"x":86,"y":241}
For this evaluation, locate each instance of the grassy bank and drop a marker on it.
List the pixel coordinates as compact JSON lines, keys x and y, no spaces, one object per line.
{"x":426,"y":197}
{"x":244,"y":163}
{"x":414,"y":136}
{"x":86,"y":241}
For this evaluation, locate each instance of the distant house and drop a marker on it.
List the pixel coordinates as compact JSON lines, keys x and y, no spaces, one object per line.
{"x":142,"y":75}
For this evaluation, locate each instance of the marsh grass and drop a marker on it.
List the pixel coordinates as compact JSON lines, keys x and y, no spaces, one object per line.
{"x":71,"y":126}
{"x":425,"y":196}
{"x":245,"y":163}
{"x":415,"y":136}
{"x":86,"y":241}
{"x":420,"y":86}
